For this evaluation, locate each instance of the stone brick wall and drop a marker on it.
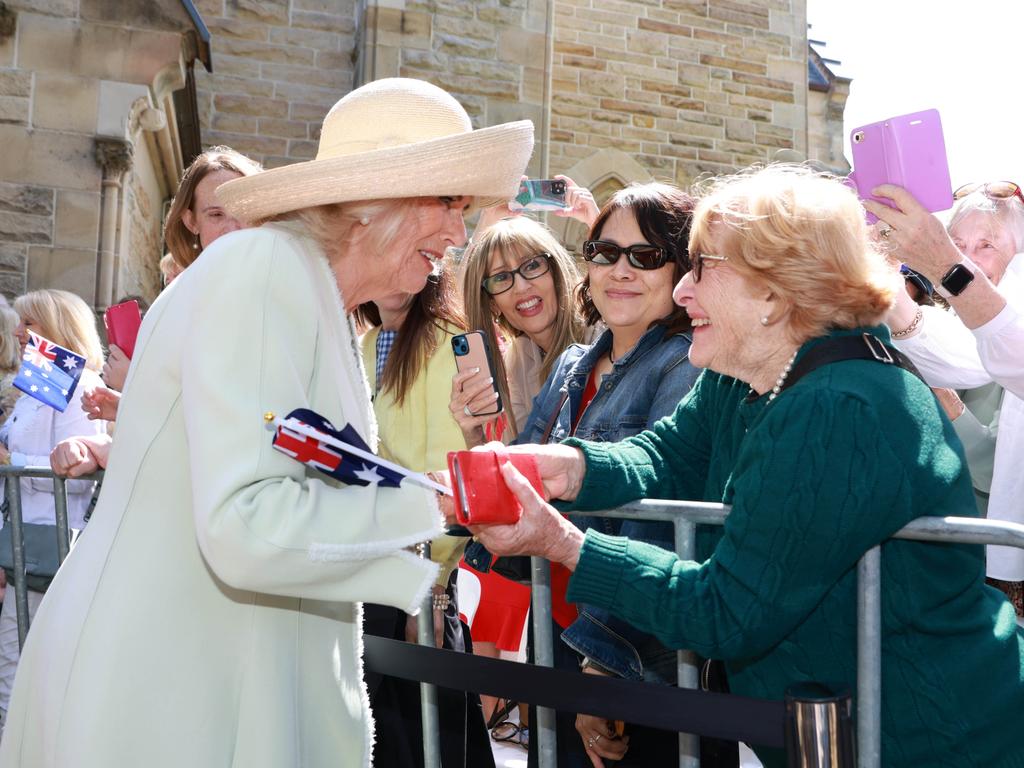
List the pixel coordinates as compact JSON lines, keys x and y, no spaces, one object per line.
{"x":72,"y":73}
{"x":49,"y":184}
{"x":685,"y":86}
{"x":278,"y":66}
{"x":489,"y":54}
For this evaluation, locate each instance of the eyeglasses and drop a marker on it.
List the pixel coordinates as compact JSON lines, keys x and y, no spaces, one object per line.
{"x":640,"y":256}
{"x":998,"y":190}
{"x":697,"y":263}
{"x":530,"y":269}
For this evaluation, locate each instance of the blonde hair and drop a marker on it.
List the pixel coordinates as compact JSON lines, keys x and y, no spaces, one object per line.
{"x":803,"y":236}
{"x":10,"y":353}
{"x":183,"y":245}
{"x":169,"y":268}
{"x":332,"y":225}
{"x":516,"y":239}
{"x":63,"y":318}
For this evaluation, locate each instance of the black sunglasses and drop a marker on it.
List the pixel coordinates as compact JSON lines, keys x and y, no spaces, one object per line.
{"x":530,"y":269}
{"x":640,"y":255}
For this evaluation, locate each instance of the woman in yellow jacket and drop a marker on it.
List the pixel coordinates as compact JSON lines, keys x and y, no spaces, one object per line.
{"x":409,"y":364}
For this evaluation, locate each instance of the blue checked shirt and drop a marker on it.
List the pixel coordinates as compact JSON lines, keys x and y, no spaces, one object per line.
{"x":385,"y":341}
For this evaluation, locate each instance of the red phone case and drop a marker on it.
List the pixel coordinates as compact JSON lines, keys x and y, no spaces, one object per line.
{"x":123,"y":321}
{"x":481,"y":496}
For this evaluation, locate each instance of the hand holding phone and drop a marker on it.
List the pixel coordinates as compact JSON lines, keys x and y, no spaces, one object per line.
{"x":473,"y":353}
{"x":908,"y":151}
{"x":540,"y":195}
{"x":123,"y":322}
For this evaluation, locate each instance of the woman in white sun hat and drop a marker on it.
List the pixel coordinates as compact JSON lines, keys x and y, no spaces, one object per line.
{"x":210,"y":615}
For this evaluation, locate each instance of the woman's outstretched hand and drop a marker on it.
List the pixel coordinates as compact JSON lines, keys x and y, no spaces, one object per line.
{"x":561,"y":468}
{"x":541,"y":531}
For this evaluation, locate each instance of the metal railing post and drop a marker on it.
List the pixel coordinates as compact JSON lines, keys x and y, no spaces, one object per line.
{"x":13,"y":489}
{"x":543,"y":655}
{"x":687,"y":673}
{"x":428,"y":691}
{"x":819,"y":727}
{"x":60,"y":507}
{"x":869,"y":659}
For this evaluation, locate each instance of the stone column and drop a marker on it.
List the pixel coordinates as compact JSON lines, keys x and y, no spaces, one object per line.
{"x":115,"y":158}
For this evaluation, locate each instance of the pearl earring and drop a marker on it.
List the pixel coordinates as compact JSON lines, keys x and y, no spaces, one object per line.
{"x":764,"y":320}
{"x":365,"y":220}
{"x":195,"y":245}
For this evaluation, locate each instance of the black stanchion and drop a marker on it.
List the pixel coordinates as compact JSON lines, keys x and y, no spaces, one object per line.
{"x":819,"y":726}
{"x":718,"y":715}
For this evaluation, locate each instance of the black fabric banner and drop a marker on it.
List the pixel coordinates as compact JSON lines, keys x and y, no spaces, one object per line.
{"x":717,"y":715}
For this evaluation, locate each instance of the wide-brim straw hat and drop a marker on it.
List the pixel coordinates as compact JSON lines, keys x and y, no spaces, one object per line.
{"x":391,"y":138}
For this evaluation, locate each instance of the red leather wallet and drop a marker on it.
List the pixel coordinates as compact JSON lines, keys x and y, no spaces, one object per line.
{"x":481,"y":496}
{"x":123,"y":321}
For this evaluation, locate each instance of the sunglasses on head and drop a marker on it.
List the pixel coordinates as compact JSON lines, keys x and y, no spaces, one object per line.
{"x":531,"y":269}
{"x":997,"y":190}
{"x":640,"y":255}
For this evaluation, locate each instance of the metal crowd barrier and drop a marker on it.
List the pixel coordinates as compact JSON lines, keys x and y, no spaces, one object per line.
{"x":62,"y":531}
{"x":684,"y":516}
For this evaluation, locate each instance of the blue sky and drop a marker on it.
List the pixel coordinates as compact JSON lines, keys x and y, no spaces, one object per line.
{"x":964,"y":58}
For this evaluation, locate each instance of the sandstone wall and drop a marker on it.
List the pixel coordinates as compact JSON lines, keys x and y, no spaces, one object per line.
{"x":684,"y":86}
{"x":74,"y":73}
{"x":278,"y":65}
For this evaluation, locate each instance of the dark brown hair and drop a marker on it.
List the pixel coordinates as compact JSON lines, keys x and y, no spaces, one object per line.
{"x":663,"y":213}
{"x":434,"y":307}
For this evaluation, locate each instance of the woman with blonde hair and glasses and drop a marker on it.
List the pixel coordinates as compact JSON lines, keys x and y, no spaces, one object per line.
{"x":30,"y":434}
{"x":517,"y":287}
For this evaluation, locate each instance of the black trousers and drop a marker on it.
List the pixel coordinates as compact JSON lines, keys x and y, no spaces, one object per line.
{"x":465,"y":742}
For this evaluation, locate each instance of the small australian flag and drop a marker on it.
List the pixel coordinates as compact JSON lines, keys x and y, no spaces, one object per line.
{"x":48,"y":372}
{"x":331,"y":460}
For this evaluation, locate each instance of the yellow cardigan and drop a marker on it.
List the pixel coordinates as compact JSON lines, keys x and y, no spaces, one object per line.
{"x":419,"y":433}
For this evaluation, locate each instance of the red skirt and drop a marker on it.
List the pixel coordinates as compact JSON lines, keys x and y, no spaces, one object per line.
{"x":501,"y":616}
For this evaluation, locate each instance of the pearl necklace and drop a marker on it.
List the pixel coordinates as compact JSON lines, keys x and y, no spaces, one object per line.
{"x":779,"y":382}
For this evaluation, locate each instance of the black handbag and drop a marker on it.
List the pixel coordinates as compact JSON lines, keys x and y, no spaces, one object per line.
{"x":41,"y":556}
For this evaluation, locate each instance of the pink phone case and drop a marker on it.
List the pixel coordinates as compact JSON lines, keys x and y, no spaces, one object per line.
{"x":908,"y":151}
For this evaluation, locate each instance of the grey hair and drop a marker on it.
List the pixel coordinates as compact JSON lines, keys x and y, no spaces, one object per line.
{"x":1009,"y":212}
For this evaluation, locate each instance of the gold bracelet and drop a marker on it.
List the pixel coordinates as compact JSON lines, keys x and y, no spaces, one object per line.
{"x":910,"y":328}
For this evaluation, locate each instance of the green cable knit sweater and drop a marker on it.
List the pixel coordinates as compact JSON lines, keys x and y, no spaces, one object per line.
{"x":832,"y":467}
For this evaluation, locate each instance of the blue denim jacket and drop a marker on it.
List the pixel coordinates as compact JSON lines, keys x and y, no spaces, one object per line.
{"x":645,"y":385}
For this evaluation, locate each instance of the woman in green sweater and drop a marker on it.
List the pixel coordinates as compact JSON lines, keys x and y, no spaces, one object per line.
{"x":819,"y":466}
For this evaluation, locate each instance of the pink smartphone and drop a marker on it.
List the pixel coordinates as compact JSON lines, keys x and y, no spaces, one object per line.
{"x":908,"y":151}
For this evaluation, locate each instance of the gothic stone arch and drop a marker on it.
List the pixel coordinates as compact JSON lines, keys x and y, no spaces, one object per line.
{"x":603,"y":173}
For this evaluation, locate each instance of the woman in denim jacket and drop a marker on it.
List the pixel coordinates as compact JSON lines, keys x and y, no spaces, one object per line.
{"x":634,"y":374}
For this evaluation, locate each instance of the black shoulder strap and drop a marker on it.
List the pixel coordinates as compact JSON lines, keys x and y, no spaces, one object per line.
{"x":863,"y":347}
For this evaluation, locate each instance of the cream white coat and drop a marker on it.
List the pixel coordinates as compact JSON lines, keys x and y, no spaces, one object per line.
{"x":209,"y":616}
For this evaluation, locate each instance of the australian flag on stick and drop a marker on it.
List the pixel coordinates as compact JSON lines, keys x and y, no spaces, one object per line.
{"x":48,"y":372}
{"x":308,"y":437}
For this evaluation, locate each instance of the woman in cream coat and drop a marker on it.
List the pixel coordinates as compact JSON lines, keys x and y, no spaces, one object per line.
{"x":210,"y":615}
